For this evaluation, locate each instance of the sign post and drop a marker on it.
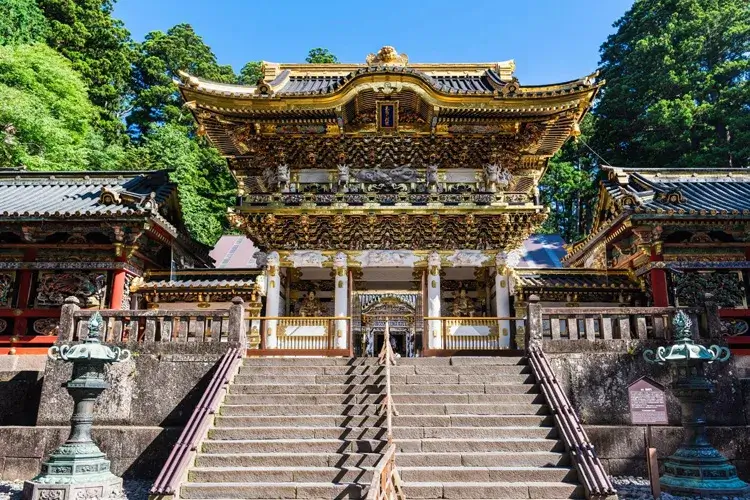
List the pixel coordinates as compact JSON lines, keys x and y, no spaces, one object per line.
{"x":648,"y":407}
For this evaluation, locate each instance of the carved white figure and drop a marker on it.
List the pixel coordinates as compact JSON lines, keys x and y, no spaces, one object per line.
{"x":273,"y":259}
{"x":504,"y":178}
{"x":343,"y":176}
{"x":508,"y":259}
{"x":433,"y":259}
{"x":491,"y":176}
{"x":307,"y":258}
{"x":431,"y":177}
{"x":387,"y":258}
{"x":339,"y":260}
{"x":467,"y":258}
{"x":283,"y":178}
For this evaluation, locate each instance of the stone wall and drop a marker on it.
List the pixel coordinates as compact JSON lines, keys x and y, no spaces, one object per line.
{"x":595,"y":376}
{"x":134,"y":451}
{"x":20,"y":388}
{"x":159,"y":385}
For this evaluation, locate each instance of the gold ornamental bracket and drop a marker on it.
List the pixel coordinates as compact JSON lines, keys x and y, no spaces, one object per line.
{"x":387,"y":55}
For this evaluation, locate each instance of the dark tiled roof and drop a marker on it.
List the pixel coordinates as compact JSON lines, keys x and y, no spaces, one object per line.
{"x":573,"y":279}
{"x":207,"y":283}
{"x":719,"y":192}
{"x":76,"y":194}
{"x":323,"y":84}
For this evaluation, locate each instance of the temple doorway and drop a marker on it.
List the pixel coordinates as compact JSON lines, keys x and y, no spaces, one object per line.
{"x":402,"y":309}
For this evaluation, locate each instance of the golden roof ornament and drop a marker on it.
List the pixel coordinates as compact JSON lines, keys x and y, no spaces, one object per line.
{"x":387,"y":56}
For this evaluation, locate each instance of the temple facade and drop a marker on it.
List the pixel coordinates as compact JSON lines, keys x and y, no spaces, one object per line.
{"x":388,"y":189}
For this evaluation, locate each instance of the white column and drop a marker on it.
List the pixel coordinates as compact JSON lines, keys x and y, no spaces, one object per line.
{"x":341,"y":299}
{"x":273,"y":298}
{"x":503,"y":286}
{"x":433,"y":301}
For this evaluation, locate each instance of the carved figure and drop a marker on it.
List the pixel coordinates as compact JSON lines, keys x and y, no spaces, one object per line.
{"x":283,"y":177}
{"x":491,"y":176}
{"x":311,"y":307}
{"x":307,"y":258}
{"x":431,"y":177}
{"x":463,"y":305}
{"x":340,"y":260}
{"x":343,"y":177}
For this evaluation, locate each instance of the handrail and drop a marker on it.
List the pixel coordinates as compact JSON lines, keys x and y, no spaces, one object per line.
{"x":478,"y":318}
{"x":618,"y":311}
{"x":179,"y":459}
{"x":595,"y":479}
{"x":386,"y":482}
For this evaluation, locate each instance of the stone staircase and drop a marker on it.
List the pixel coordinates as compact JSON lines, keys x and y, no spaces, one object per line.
{"x":309,"y":428}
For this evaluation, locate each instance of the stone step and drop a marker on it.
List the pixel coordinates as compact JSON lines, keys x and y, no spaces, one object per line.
{"x":279,"y":475}
{"x":252,"y":446}
{"x":380,"y":370}
{"x":479,"y":388}
{"x":487,"y":459}
{"x":325,"y":399}
{"x":460,"y":379}
{"x":294,"y":459}
{"x":487,"y":474}
{"x":284,"y":389}
{"x":513,"y":443}
{"x":271,"y":490}
{"x":374,"y":409}
{"x":379,"y":421}
{"x":326,"y":361}
{"x":521,"y":490}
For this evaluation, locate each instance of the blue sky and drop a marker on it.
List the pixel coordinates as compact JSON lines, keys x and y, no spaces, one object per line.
{"x":550,"y":40}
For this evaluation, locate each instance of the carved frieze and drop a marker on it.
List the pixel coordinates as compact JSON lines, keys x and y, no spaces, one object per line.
{"x":54,"y":287}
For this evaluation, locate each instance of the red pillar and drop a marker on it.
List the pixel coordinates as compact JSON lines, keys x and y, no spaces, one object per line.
{"x":24,"y":291}
{"x":118,"y":289}
{"x":659,"y":289}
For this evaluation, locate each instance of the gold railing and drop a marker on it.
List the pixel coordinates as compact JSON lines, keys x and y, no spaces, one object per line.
{"x":386,"y":482}
{"x":307,"y":332}
{"x":473,"y":333}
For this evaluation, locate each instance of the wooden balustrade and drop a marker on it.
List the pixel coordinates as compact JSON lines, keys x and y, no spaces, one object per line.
{"x":304,"y":336}
{"x":607,"y":323}
{"x":476,"y":333}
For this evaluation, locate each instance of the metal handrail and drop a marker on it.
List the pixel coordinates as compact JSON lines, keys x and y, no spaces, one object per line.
{"x":386,"y":482}
{"x":175,"y":467}
{"x":595,"y":479}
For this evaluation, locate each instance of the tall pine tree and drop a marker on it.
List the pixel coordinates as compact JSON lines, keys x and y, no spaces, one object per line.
{"x":678,"y":86}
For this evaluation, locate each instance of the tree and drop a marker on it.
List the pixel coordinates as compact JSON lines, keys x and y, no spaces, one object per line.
{"x":21,"y":22}
{"x":100,"y":49}
{"x":167,"y":131}
{"x":205,"y":185}
{"x":321,"y":56}
{"x":45,"y":114}
{"x":678,"y":86}
{"x":160,"y":58}
{"x":250,"y":73}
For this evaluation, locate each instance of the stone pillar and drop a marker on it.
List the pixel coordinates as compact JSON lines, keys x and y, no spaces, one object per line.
{"x":433,"y":301}
{"x":341,"y":300}
{"x":534,"y":325}
{"x":273,"y":297}
{"x":237,"y":332}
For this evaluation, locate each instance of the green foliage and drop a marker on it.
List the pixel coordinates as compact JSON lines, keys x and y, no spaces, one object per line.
{"x":726,"y":289}
{"x":167,"y":132}
{"x":21,"y":22}
{"x":250,"y":73}
{"x":159,"y":60}
{"x":206,"y":187}
{"x":569,"y":188}
{"x":321,"y":56}
{"x":99,"y":47}
{"x":45,"y":114}
{"x":678,"y":86}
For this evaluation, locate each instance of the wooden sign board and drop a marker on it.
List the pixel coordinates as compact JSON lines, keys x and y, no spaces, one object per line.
{"x":648,"y":405}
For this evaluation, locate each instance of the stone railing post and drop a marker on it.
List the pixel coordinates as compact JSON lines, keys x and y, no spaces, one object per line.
{"x":534,"y":323}
{"x":67,"y":319}
{"x":237,"y":322}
